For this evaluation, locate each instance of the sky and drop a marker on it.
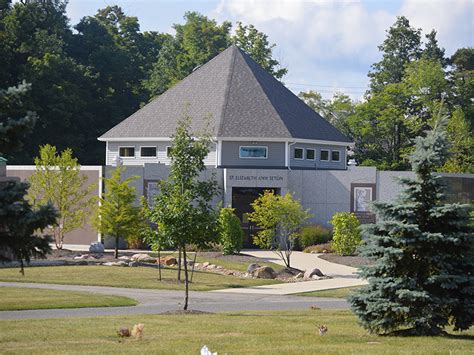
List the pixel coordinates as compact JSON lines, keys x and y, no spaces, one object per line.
{"x":327,"y":46}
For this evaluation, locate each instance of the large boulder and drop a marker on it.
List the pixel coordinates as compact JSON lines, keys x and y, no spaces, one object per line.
{"x":252,"y":267}
{"x":96,"y":248}
{"x":115,"y":263}
{"x":264,"y":272}
{"x":167,"y":260}
{"x":313,"y":272}
{"x":143,"y":258}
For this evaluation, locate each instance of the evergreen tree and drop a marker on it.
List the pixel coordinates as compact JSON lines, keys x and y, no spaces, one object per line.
{"x":423,"y":254}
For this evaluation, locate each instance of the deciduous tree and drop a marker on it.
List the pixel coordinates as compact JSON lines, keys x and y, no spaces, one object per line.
{"x":117,"y":216}
{"x":280,"y":218}
{"x":183,"y":209}
{"x":58,"y":180}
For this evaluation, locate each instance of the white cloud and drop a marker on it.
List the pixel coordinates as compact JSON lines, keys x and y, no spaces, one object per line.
{"x":334,"y":43}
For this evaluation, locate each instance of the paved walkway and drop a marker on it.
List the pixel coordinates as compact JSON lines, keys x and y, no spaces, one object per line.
{"x":342,"y":276}
{"x":158,"y":301}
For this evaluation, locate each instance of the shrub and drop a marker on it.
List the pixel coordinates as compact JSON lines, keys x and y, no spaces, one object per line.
{"x":313,"y":234}
{"x":346,"y":233}
{"x":231,"y":236}
{"x":319,"y":248}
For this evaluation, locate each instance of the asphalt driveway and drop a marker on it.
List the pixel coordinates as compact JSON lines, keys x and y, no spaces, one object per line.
{"x":158,"y":301}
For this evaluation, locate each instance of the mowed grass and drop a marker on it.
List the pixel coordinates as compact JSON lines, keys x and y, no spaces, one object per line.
{"x":16,"y":298}
{"x":133,"y":277}
{"x":343,"y":292}
{"x":228,"y":333}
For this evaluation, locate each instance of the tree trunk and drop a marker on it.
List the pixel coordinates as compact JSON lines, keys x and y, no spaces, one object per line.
{"x":186,"y":280}
{"x":179,"y":264}
{"x":159,"y":262}
{"x":116,"y":247}
{"x":194,"y":263}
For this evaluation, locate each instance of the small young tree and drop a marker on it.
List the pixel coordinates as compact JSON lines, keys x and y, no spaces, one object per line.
{"x":58,"y":180}
{"x":117,"y":216}
{"x":280,"y":217}
{"x":230,"y":231}
{"x":346,"y":233}
{"x":183,"y":210}
{"x":423,"y":254}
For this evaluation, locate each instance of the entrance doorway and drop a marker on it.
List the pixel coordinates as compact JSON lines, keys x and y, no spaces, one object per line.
{"x":242,"y":197}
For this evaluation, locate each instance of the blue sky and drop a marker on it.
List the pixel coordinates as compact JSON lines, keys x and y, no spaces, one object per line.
{"x":326,"y":45}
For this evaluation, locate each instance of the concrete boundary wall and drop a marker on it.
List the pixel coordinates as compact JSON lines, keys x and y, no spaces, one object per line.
{"x":324,"y":192}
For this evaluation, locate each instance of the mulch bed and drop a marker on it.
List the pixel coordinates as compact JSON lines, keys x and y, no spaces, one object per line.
{"x":354,"y":261}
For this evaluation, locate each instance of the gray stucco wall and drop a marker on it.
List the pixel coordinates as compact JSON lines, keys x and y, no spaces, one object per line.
{"x":230,"y":154}
{"x":318,"y":163}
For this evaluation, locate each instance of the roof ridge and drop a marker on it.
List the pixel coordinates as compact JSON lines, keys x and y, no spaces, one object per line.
{"x":229,"y":83}
{"x":246,"y":55}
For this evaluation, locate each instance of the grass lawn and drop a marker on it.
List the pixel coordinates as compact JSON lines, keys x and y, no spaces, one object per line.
{"x":335,"y":293}
{"x":16,"y":298}
{"x":231,"y":333}
{"x":134,"y":277}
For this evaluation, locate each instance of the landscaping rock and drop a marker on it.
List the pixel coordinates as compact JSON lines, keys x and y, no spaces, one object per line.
{"x":212,"y":266}
{"x":167,"y":260}
{"x":124,"y":258}
{"x":115,"y":263}
{"x":133,"y":263}
{"x":252,"y":267}
{"x":264,"y":272}
{"x":205,"y":264}
{"x":299,"y":276}
{"x":96,"y":248}
{"x":309,"y":273}
{"x":144,"y":258}
{"x":81,"y":257}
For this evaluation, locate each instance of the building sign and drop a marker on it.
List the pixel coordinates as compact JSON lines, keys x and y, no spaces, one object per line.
{"x":256,"y":178}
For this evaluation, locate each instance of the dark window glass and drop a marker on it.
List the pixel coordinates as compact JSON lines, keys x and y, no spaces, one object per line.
{"x":253,"y":152}
{"x":298,"y":153}
{"x":324,"y":155}
{"x":335,"y":155}
{"x":168,"y":152}
{"x":310,"y":155}
{"x":127,"y":151}
{"x":148,"y":152}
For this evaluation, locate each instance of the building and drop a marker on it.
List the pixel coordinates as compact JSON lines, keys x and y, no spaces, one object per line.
{"x":264,"y":137}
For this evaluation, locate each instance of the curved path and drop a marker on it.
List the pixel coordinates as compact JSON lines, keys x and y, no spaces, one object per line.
{"x":158,"y":301}
{"x":341,"y":275}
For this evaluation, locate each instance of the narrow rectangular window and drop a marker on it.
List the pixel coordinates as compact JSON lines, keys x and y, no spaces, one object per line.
{"x":335,"y":155}
{"x":310,"y":154}
{"x":298,"y":155}
{"x":168,"y":151}
{"x":324,"y":155}
{"x":148,"y":152}
{"x":127,"y":152}
{"x":253,"y":152}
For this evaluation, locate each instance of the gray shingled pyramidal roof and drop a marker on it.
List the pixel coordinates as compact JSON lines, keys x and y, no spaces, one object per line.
{"x":232,"y":96}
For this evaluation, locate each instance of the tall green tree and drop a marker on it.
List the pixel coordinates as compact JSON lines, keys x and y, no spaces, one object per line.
{"x":117,"y":216}
{"x":280,"y":218}
{"x":19,"y":222}
{"x":58,"y":180}
{"x":461,"y":79}
{"x":256,"y":44}
{"x":401,"y":46}
{"x":183,"y":209}
{"x":422,"y":251}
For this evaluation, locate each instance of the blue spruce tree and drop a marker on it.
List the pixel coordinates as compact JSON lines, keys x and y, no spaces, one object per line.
{"x":422,"y":251}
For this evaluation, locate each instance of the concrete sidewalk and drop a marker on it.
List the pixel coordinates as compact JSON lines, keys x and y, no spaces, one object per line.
{"x":342,"y":276}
